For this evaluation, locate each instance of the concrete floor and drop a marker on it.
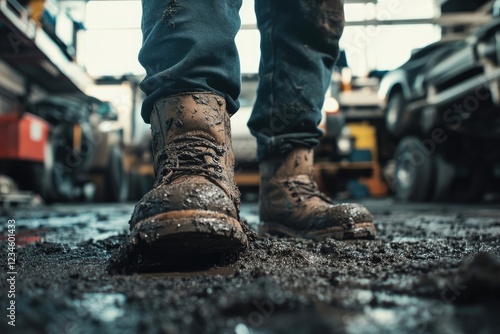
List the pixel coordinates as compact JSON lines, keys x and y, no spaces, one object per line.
{"x":433,"y":269}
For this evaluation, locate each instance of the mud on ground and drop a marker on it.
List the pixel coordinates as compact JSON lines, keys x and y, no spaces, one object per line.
{"x":432,"y":269}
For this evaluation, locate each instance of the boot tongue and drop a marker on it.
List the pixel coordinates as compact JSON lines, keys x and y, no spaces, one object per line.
{"x":194,"y":156}
{"x":201,"y":113}
{"x":298,"y":163}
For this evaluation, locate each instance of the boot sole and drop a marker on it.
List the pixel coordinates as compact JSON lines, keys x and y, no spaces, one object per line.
{"x":183,"y":240}
{"x":360,"y":231}
{"x":190,"y":231}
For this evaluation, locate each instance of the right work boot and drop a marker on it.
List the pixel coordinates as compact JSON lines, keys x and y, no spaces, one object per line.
{"x":193,"y":207}
{"x":292,"y":205}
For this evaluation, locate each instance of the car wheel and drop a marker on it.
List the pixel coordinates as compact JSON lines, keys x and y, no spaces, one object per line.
{"x":491,"y":65}
{"x":445,"y":173}
{"x":469,"y":186}
{"x":116,"y":179}
{"x":59,"y":184}
{"x":398,"y":120}
{"x":414,"y":171}
{"x":495,"y":84}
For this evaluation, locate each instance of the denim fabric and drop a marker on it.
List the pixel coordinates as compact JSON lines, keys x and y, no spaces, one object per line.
{"x":189,"y":46}
{"x":299,"y":45}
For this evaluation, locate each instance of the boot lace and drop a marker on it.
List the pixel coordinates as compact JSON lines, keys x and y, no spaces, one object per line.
{"x":187,"y":155}
{"x":305,"y":190}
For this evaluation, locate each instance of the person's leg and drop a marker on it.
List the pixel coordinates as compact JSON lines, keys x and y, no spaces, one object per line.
{"x":189,"y":46}
{"x":192,"y":86}
{"x":299,"y":44}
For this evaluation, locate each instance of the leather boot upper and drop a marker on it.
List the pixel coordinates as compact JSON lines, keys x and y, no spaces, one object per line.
{"x":193,"y":157}
{"x":289,"y":196}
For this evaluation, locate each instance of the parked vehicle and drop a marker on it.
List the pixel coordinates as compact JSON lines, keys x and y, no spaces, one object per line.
{"x":78,"y":154}
{"x":443,"y":108}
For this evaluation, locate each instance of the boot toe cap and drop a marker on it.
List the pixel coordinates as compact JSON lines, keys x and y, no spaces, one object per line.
{"x":183,"y":196}
{"x":350,"y":213}
{"x":345,"y":215}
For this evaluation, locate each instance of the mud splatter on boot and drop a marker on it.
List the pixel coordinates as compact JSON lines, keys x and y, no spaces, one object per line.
{"x":194,"y":205}
{"x":291,"y":204}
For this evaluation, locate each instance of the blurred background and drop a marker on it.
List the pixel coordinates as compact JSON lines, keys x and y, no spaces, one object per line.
{"x":413,"y":110}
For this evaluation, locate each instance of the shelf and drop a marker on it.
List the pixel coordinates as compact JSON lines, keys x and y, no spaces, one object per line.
{"x":29,"y":50}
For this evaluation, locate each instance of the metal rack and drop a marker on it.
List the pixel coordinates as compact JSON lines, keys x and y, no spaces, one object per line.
{"x":33,"y":53}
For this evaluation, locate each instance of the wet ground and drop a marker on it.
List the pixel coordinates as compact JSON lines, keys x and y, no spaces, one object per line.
{"x":432,"y":269}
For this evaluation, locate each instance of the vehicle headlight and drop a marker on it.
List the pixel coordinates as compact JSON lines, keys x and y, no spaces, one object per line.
{"x":344,"y":143}
{"x":331,"y":105}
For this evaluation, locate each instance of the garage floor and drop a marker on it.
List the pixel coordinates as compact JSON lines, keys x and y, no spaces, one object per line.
{"x":433,"y":269}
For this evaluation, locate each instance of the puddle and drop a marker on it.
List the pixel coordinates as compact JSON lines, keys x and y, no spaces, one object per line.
{"x":103,"y":306}
{"x":219,"y":271}
{"x":250,"y":213}
{"x":27,"y":237}
{"x":406,"y":239}
{"x":71,"y":224}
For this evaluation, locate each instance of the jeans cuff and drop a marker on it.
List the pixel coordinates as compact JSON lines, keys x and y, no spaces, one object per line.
{"x":282,"y":145}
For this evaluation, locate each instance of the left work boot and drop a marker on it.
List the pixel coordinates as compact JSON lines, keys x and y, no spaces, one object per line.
{"x":292,"y":205}
{"x":194,"y":205}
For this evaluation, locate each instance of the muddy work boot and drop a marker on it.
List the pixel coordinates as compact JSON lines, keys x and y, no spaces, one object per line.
{"x":194,"y":205}
{"x":292,"y":205}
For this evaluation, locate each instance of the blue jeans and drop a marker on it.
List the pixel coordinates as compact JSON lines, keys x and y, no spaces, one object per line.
{"x":189,"y":46}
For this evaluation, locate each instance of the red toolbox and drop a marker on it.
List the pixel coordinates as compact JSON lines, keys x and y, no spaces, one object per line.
{"x":23,"y":137}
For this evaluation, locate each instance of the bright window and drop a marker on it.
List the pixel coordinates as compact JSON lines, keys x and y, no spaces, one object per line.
{"x":113,"y":38}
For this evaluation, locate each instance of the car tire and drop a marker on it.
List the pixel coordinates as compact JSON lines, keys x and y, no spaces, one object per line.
{"x":398,"y":120}
{"x":445,"y":173}
{"x":59,"y":182}
{"x":414,"y":171}
{"x":116,"y":179}
{"x":495,"y":84}
{"x":469,"y":188}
